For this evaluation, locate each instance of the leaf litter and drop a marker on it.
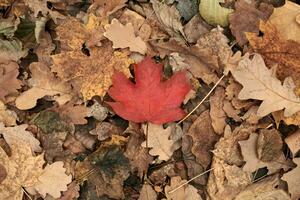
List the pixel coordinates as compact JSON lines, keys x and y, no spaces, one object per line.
{"x":146,"y":100}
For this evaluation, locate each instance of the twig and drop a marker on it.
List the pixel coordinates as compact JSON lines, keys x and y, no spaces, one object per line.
{"x":211,"y":90}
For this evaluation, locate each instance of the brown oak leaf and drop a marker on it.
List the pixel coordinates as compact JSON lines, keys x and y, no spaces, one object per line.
{"x":91,"y":75}
{"x":246,"y":18}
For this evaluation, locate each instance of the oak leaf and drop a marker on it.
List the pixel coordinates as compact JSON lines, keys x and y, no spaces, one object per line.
{"x":92,"y":74}
{"x":127,"y":39}
{"x":160,"y":142}
{"x":276,"y":50}
{"x":149,"y":99}
{"x":287,"y":26}
{"x":9,"y":83}
{"x":293,"y":180}
{"x":260,"y":83}
{"x":43,"y":83}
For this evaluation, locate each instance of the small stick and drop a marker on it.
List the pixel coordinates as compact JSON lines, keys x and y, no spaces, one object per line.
{"x":180,"y":186}
{"x":211,"y":90}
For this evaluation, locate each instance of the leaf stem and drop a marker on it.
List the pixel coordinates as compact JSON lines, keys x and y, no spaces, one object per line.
{"x":211,"y":90}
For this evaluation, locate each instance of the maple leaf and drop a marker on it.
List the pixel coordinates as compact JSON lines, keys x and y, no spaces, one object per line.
{"x":127,"y":39}
{"x":259,"y":83}
{"x":149,"y":99}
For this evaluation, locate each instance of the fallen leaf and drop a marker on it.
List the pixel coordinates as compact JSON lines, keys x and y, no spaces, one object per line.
{"x":253,"y":163}
{"x":43,"y":83}
{"x":93,"y":73}
{"x":293,"y":180}
{"x":106,"y":8}
{"x":3,"y":173}
{"x":9,"y":83}
{"x":72,"y":192}
{"x":147,"y":193}
{"x":72,"y":113}
{"x":53,"y":180}
{"x":169,"y":17}
{"x":98,"y":111}
{"x":128,"y":38}
{"x":187,"y":9}
{"x":264,"y":189}
{"x":15,"y":134}
{"x":11,"y":50}
{"x":214,"y":13}
{"x":22,"y":170}
{"x":8,"y":26}
{"x":231,"y":111}
{"x":285,"y":20}
{"x":275,"y":50}
{"x":159,"y":141}
{"x":187,"y":192}
{"x":195,"y":28}
{"x":204,"y":139}
{"x":217,"y":113}
{"x":245,"y":18}
{"x":259,"y":83}
{"x":149,"y":99}
{"x":7,"y":117}
{"x":293,"y":142}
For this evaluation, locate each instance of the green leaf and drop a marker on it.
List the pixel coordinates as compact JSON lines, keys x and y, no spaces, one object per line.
{"x":213,"y":13}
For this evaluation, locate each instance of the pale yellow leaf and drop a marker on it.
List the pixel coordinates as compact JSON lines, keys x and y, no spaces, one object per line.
{"x":123,"y":36}
{"x":260,"y":83}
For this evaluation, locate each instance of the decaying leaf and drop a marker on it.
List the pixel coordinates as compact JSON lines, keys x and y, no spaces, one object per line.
{"x":150,"y":98}
{"x":147,"y":193}
{"x":11,"y":50}
{"x":159,"y":141}
{"x":249,"y":151}
{"x":245,"y":18}
{"x":19,"y":133}
{"x":7,"y":117}
{"x":93,"y":73}
{"x":187,"y":192}
{"x":213,"y":12}
{"x":9,"y":83}
{"x":73,"y":113}
{"x":43,"y":83}
{"x":195,"y":28}
{"x":260,"y":83}
{"x":275,"y":50}
{"x":293,"y":179}
{"x":217,"y":113}
{"x":285,"y":20}
{"x":127,"y":39}
{"x":293,"y":142}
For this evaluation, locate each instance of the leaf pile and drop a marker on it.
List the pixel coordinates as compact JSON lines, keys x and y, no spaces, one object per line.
{"x":149,"y":99}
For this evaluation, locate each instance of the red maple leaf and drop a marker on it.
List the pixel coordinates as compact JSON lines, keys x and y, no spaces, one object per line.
{"x":150,"y":98}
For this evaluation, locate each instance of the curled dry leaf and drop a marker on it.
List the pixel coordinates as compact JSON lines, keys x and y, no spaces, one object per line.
{"x":19,"y":133}
{"x":259,"y":83}
{"x":217,"y":114}
{"x":293,"y":179}
{"x":43,"y":83}
{"x":275,"y":50}
{"x":159,"y":141}
{"x":93,"y":73}
{"x":187,"y":192}
{"x":285,"y":20}
{"x":9,"y":83}
{"x":245,"y":18}
{"x":127,"y":39}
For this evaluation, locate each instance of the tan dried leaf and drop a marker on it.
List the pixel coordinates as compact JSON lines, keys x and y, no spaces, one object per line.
{"x":293,"y":142}
{"x":73,"y":113}
{"x":187,"y":192}
{"x":105,"y":8}
{"x":259,"y":83}
{"x":147,"y":193}
{"x":7,"y":117}
{"x":285,"y":20}
{"x":293,"y":180}
{"x":72,"y":192}
{"x":9,"y":83}
{"x":43,"y":83}
{"x":22,"y":170}
{"x":93,"y":73}
{"x":15,"y":134}
{"x":249,"y":152}
{"x":195,"y":28}
{"x":204,"y":139}
{"x":231,"y":111}
{"x":127,"y":39}
{"x":217,"y":113}
{"x":159,"y":141}
{"x":53,"y":180}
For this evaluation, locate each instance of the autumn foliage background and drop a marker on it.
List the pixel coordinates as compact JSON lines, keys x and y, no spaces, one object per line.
{"x":149,"y":99}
